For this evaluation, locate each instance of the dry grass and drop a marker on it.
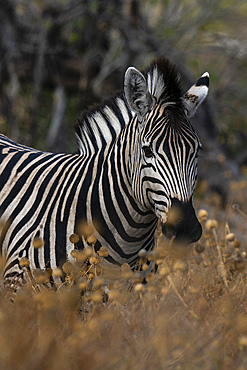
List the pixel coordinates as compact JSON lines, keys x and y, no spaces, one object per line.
{"x":191,"y":314}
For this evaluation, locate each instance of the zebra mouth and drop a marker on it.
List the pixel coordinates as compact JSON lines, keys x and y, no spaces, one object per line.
{"x":181,"y":225}
{"x":161,"y":214}
{"x":169,"y":233}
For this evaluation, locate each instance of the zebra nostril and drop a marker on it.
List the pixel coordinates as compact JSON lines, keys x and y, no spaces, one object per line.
{"x":182,"y":234}
{"x":168,"y":230}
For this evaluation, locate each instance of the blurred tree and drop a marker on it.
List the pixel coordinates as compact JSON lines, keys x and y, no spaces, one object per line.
{"x":58,"y":57}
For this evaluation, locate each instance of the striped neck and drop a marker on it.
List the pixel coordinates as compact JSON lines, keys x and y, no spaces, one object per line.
{"x":100,"y":127}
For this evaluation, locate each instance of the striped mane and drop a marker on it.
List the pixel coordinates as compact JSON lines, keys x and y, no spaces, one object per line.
{"x":100,"y":126}
{"x":164,"y":82}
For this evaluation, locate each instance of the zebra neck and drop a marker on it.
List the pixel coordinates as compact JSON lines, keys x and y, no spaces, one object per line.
{"x":108,"y":203}
{"x":124,"y":227}
{"x":101,"y":126}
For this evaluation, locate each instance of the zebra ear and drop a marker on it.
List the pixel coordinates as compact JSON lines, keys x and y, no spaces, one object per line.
{"x":136,"y":92}
{"x":196,"y":94}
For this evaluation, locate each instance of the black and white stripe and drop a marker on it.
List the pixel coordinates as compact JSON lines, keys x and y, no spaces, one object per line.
{"x":130,"y":163}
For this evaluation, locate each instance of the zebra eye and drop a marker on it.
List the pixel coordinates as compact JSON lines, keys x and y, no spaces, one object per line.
{"x":148,"y":151}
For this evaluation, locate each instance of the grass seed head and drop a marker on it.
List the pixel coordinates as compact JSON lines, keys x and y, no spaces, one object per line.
{"x":194,"y":289}
{"x":49,"y":271}
{"x":125,"y":267}
{"x":159,"y":261}
{"x":82,"y":285}
{"x":197,"y":259}
{"x":24,"y":262}
{"x":180,"y":265}
{"x":57,"y":272}
{"x":96,"y":297}
{"x":139,"y":288}
{"x":230,"y":237}
{"x":142,"y":253}
{"x":98,"y":269}
{"x":153,"y":255}
{"x":218,"y":279}
{"x":69,"y":298}
{"x":162,"y":250}
{"x":98,"y":282}
{"x":164,"y":290}
{"x":113,"y":294}
{"x":150,"y":277}
{"x":81,"y":256}
{"x":108,"y":315}
{"x":230,"y":263}
{"x":193,"y":258}
{"x":210,"y":243}
{"x":242,"y":324}
{"x":141,"y":261}
{"x":68,"y":267}
{"x":43,"y":279}
{"x":83,"y":228}
{"x":164,"y":270}
{"x":38,"y":243}
{"x":199,"y":248}
{"x":48,"y":299}
{"x":145,"y":267}
{"x":236,"y":243}
{"x":74,"y":238}
{"x":211,"y":224}
{"x":88,"y":229}
{"x":88,"y":251}
{"x":207,"y":234}
{"x":103,"y":252}
{"x":37,"y":272}
{"x":74,"y":253}
{"x":222,"y":242}
{"x":91,"y":239}
{"x":202,"y":215}
{"x":152,"y":287}
{"x":243,"y":340}
{"x":91,"y":275}
{"x":239,"y":264}
{"x":94,"y":259}
{"x":41,"y":276}
{"x":116,"y":285}
{"x":226,"y":253}
{"x":137,"y":277}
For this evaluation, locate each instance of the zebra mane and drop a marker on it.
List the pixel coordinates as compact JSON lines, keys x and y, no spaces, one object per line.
{"x":164,"y":81}
{"x":101,"y":124}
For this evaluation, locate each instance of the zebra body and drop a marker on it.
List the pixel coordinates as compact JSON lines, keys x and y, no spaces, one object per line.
{"x":136,"y":157}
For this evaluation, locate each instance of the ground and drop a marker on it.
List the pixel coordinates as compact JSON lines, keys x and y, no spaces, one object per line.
{"x":190,"y":314}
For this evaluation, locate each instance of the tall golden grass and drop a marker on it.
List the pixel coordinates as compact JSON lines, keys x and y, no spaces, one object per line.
{"x":191,"y":314}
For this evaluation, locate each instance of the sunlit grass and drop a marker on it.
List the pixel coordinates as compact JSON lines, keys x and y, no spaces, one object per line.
{"x":191,"y":313}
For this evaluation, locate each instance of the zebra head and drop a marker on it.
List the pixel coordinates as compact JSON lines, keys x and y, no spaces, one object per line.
{"x":164,"y":146}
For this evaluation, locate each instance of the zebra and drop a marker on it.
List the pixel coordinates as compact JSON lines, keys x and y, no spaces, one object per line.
{"x":136,"y":161}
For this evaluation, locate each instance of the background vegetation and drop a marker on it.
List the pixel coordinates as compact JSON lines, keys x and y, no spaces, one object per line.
{"x":78,"y":51}
{"x":56,"y":59}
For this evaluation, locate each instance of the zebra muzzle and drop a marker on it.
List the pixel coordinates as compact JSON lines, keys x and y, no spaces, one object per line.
{"x":182,"y":225}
